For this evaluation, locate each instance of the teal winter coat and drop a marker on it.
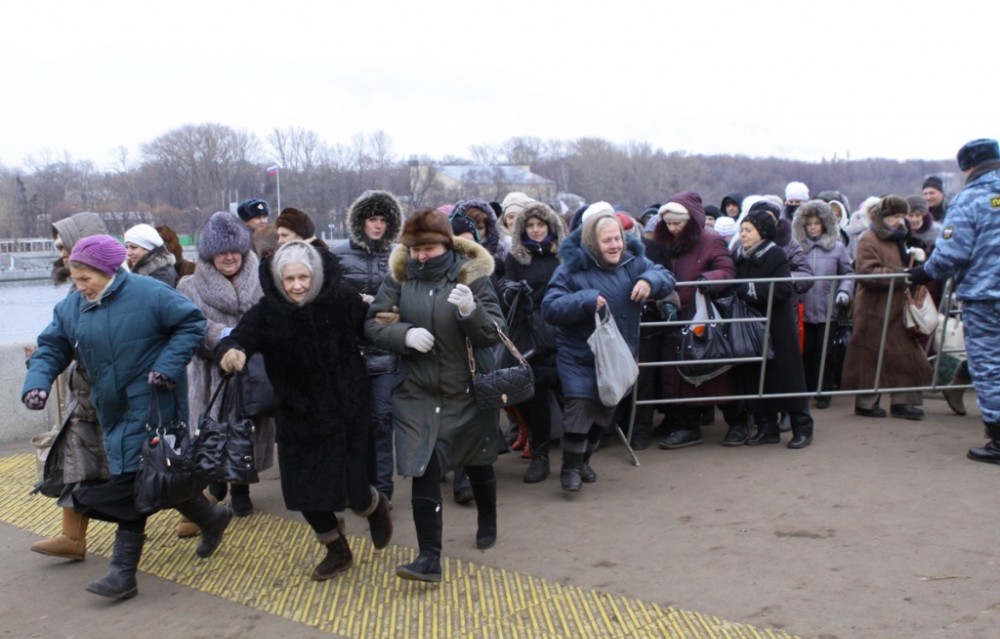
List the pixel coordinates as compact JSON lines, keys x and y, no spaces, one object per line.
{"x":139,"y":325}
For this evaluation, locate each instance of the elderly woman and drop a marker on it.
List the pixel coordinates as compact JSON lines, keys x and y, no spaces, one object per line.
{"x":308,"y":327}
{"x":147,"y":255}
{"x":883,"y":250}
{"x":225,"y":285}
{"x":135,"y":337}
{"x":758,"y":257}
{"x":602,"y":268}
{"x":441,"y":288}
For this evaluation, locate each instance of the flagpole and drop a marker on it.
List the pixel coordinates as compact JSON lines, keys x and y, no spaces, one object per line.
{"x":278,"y":176}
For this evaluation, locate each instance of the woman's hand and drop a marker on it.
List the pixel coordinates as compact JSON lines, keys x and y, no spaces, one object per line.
{"x":385,"y":318}
{"x":601,"y":302}
{"x":419,"y":339}
{"x":462,"y":297}
{"x":233,"y":361}
{"x":641,"y":291}
{"x":35,"y":399}
{"x":159,"y":380}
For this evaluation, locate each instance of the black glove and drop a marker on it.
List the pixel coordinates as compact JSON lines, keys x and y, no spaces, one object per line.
{"x":35,"y":399}
{"x":918,"y":275}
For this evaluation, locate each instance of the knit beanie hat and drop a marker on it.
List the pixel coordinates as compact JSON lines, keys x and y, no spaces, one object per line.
{"x":102,"y":253}
{"x":796,"y":191}
{"x":223,"y":233}
{"x":426,"y":226}
{"x":652,"y":222}
{"x":515,"y":202}
{"x":933,"y":182}
{"x":977,"y":152}
{"x":725,"y":226}
{"x":712,"y":211}
{"x":674,"y":212}
{"x":145,"y":236}
{"x":763,"y":221}
{"x":594,"y":209}
{"x":254,"y":207}
{"x":766,"y":206}
{"x":917,"y":203}
{"x":462,"y":223}
{"x":628,"y":222}
{"x":297,"y":222}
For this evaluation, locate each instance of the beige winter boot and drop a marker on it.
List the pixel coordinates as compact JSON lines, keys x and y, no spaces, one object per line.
{"x":71,"y":543}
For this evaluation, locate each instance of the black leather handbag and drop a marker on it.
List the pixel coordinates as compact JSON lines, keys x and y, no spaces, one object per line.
{"x":167,"y":473}
{"x":225,"y":450}
{"x":707,"y":340}
{"x":256,"y":390}
{"x":502,"y":387}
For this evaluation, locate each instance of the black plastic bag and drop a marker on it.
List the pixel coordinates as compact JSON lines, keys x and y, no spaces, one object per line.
{"x":706,"y":340}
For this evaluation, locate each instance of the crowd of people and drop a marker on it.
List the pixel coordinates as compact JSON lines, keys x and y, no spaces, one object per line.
{"x":368,"y":343}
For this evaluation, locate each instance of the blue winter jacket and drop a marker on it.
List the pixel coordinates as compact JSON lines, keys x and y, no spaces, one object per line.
{"x":969,"y":245}
{"x":139,"y":325}
{"x":571,"y":300}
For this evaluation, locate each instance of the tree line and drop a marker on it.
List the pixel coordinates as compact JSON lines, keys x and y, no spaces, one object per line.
{"x":186,"y":174}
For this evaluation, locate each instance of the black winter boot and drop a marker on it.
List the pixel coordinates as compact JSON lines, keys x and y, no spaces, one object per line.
{"x":587,"y":474}
{"x":212,"y":520}
{"x":120,"y":582}
{"x":379,"y":520}
{"x":538,"y":468}
{"x":240,"y":500}
{"x":767,"y":431}
{"x":486,"y":513}
{"x":802,"y":429}
{"x":427,"y":519}
{"x":990,"y":453}
{"x":570,"y":474}
{"x":338,"y":554}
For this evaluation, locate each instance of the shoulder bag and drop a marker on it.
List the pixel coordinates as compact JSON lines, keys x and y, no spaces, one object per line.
{"x":613,"y":362}
{"x":502,"y":387}
{"x":225,"y":450}
{"x":167,"y":474}
{"x":700,"y":341}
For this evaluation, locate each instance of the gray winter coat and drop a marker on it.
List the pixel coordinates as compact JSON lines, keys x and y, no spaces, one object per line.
{"x":433,"y":408}
{"x":223,"y":301}
{"x":826,"y":256}
{"x":158,"y":264}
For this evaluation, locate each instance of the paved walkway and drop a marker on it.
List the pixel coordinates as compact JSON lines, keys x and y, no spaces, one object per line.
{"x":880,"y":529}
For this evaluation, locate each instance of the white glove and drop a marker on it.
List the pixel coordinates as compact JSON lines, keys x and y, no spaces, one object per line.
{"x":419,"y":339}
{"x":918,"y":254}
{"x":462,"y":297}
{"x":843,"y":299}
{"x":233,"y":360}
{"x":367,"y":299}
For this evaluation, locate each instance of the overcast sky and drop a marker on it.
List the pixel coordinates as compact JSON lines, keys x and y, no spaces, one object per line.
{"x":802,"y":80}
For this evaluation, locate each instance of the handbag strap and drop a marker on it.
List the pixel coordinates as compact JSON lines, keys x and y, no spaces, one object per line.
{"x":506,"y":342}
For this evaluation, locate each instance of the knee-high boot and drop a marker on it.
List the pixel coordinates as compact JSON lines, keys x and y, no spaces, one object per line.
{"x":212,"y":520}
{"x":120,"y":582}
{"x":486,"y":512}
{"x":802,"y":429}
{"x":428,"y":520}
{"x":71,"y":543}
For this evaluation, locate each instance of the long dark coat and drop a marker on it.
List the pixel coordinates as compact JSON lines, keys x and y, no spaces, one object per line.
{"x":433,"y":408}
{"x":695,"y":252}
{"x":313,"y":358}
{"x":904,"y":362}
{"x":785,"y":373}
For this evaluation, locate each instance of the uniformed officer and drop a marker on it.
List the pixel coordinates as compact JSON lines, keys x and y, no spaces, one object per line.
{"x":969,"y":250}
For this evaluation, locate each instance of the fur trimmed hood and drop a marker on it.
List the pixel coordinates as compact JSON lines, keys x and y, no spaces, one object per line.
{"x":831,"y":230}
{"x":576,"y":257}
{"x":371,"y":203}
{"x":480,"y":263}
{"x":492,"y":240}
{"x":542,"y":211}
{"x":156,"y":259}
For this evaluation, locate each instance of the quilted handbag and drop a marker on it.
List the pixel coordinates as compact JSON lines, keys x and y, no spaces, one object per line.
{"x":502,"y":387}
{"x":225,"y":450}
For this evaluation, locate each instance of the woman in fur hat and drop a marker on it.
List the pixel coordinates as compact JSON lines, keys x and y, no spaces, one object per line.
{"x":882,"y":249}
{"x":146,"y":254}
{"x":756,"y":258}
{"x":225,"y":285}
{"x":308,"y":327}
{"x":536,"y":233}
{"x":815,"y":229}
{"x":603,"y":268}
{"x":374,"y":222}
{"x":293,"y":224}
{"x":441,"y":287}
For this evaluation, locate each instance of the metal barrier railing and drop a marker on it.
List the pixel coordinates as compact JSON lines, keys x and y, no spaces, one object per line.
{"x":947,"y":310}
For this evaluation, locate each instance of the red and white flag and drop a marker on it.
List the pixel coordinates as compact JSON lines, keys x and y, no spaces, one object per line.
{"x":273,"y":169}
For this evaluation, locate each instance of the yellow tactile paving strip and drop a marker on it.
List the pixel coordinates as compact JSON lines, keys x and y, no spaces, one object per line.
{"x":265,"y":561}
